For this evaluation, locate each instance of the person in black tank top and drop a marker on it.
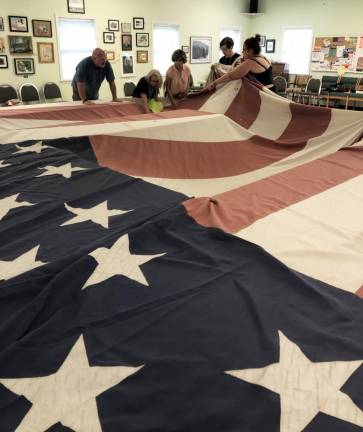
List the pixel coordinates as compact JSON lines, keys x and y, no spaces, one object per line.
{"x":253,"y":64}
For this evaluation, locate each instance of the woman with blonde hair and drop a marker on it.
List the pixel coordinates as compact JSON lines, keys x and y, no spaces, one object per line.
{"x":148,"y":88}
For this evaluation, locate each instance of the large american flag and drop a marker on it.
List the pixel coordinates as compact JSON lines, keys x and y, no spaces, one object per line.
{"x":193,"y":270}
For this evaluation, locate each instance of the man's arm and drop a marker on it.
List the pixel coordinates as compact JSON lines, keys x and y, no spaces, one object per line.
{"x":81,"y":87}
{"x":113,"y":90}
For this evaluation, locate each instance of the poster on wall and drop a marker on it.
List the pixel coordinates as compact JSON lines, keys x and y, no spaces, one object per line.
{"x":200,"y":49}
{"x":359,"y":56}
{"x":127,"y":64}
{"x":331,"y":53}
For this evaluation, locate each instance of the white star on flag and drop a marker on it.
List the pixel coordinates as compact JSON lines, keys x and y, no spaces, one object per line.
{"x":9,"y":203}
{"x":305,"y":388}
{"x":69,"y":395}
{"x":21,"y":264}
{"x":98,"y":214}
{"x":118,"y":261}
{"x":65,"y":170}
{"x":3,"y":164}
{"x":36,"y":148}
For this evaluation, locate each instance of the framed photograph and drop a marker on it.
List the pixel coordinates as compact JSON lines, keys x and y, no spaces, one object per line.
{"x":114,"y":25}
{"x":142,"y":39}
{"x":110,"y":55}
{"x":138,"y":23}
{"x":185,"y":48}
{"x":42,"y":28}
{"x":1,"y":24}
{"x":3,"y":61}
{"x":108,"y":37}
{"x":270,"y":46}
{"x":142,"y":56}
{"x":2,"y":45}
{"x":200,"y":49}
{"x":76,"y":6}
{"x":263,"y":41}
{"x":127,"y":64}
{"x":126,"y":27}
{"x":24,"y":66}
{"x":20,"y":45}
{"x":45,"y":52}
{"x":126,"y":42}
{"x":18,"y":24}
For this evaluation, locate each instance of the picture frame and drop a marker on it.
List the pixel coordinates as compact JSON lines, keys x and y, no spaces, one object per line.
{"x":18,"y":24}
{"x":2,"y":45}
{"x":3,"y":61}
{"x":138,"y":23}
{"x":262,"y":41}
{"x":127,"y":64}
{"x":45,"y":52}
{"x":142,"y":56}
{"x":110,"y":55}
{"x":142,"y":39}
{"x":113,"y":25}
{"x":125,"y":27}
{"x":20,"y":44}
{"x":76,"y":6}
{"x":24,"y":66}
{"x":200,"y":49}
{"x":185,"y":48}
{"x":42,"y":28}
{"x":1,"y":24}
{"x":108,"y":37}
{"x":270,"y":46}
{"x":126,"y":42}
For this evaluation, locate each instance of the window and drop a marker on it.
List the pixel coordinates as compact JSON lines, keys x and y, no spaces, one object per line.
{"x":235,"y":34}
{"x":165,"y":42}
{"x":76,"y":40}
{"x":296,"y":48}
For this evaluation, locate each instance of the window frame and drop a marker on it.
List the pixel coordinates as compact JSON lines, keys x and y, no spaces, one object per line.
{"x":233,"y":28}
{"x":298,"y":27}
{"x":171,"y":24}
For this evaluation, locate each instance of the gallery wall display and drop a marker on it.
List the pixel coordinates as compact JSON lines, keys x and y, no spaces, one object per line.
{"x":200,"y":49}
{"x":262,"y":41}
{"x":2,"y":45}
{"x":42,"y":28}
{"x":24,"y":66}
{"x":76,"y":6}
{"x":3,"y":61}
{"x":18,"y":24}
{"x":185,"y":48}
{"x":45,"y":52}
{"x":108,"y":37}
{"x":270,"y":46}
{"x":113,"y":25}
{"x":1,"y":24}
{"x":126,"y":42}
{"x":110,"y":55}
{"x":332,"y":52}
{"x":127,"y":64}
{"x":138,"y":23}
{"x":142,"y":56}
{"x":126,"y":27}
{"x":20,"y":45}
{"x":142,"y":39}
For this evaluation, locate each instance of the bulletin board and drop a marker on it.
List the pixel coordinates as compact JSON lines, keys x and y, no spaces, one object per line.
{"x":330,"y":53}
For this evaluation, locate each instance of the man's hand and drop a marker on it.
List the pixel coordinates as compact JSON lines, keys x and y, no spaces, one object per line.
{"x":210,"y":87}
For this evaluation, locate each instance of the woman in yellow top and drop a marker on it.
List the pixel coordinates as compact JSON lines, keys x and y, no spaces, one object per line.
{"x":177,"y":77}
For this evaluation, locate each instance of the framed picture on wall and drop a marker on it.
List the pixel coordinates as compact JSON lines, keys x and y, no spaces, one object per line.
{"x":114,"y":25}
{"x":20,"y":45}
{"x":142,"y":39}
{"x":108,"y":37}
{"x":1,"y":24}
{"x":126,"y":27}
{"x":142,"y":56}
{"x":24,"y":66}
{"x":2,"y":45}
{"x":76,"y":6}
{"x":45,"y":52}
{"x":18,"y":24}
{"x":185,"y":48}
{"x":110,"y":55}
{"x":3,"y":61}
{"x":127,"y":64}
{"x":42,"y":28}
{"x":270,"y":46}
{"x":138,"y":23}
{"x":262,"y":41}
{"x":126,"y":42}
{"x":200,"y":49}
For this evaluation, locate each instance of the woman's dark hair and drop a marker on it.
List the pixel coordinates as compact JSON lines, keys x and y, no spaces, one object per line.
{"x":179,"y":55}
{"x":253,"y":43}
{"x":227,"y":41}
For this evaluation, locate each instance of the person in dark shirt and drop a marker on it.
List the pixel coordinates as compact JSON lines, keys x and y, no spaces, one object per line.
{"x":90,"y":73}
{"x":148,"y":88}
{"x":226,"y":46}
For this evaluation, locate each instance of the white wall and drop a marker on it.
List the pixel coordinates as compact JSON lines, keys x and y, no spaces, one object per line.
{"x":195,"y":17}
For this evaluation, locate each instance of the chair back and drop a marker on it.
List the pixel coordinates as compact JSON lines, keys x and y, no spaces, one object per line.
{"x":280,"y":84}
{"x":29,"y":93}
{"x":302,"y":80}
{"x":51,"y":91}
{"x":313,"y":86}
{"x":7,"y":92}
{"x":129,"y":88}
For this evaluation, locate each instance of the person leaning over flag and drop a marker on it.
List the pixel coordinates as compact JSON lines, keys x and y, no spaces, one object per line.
{"x":253,"y":64}
{"x":177,"y":78}
{"x":90,"y":73}
{"x":148,"y":89}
